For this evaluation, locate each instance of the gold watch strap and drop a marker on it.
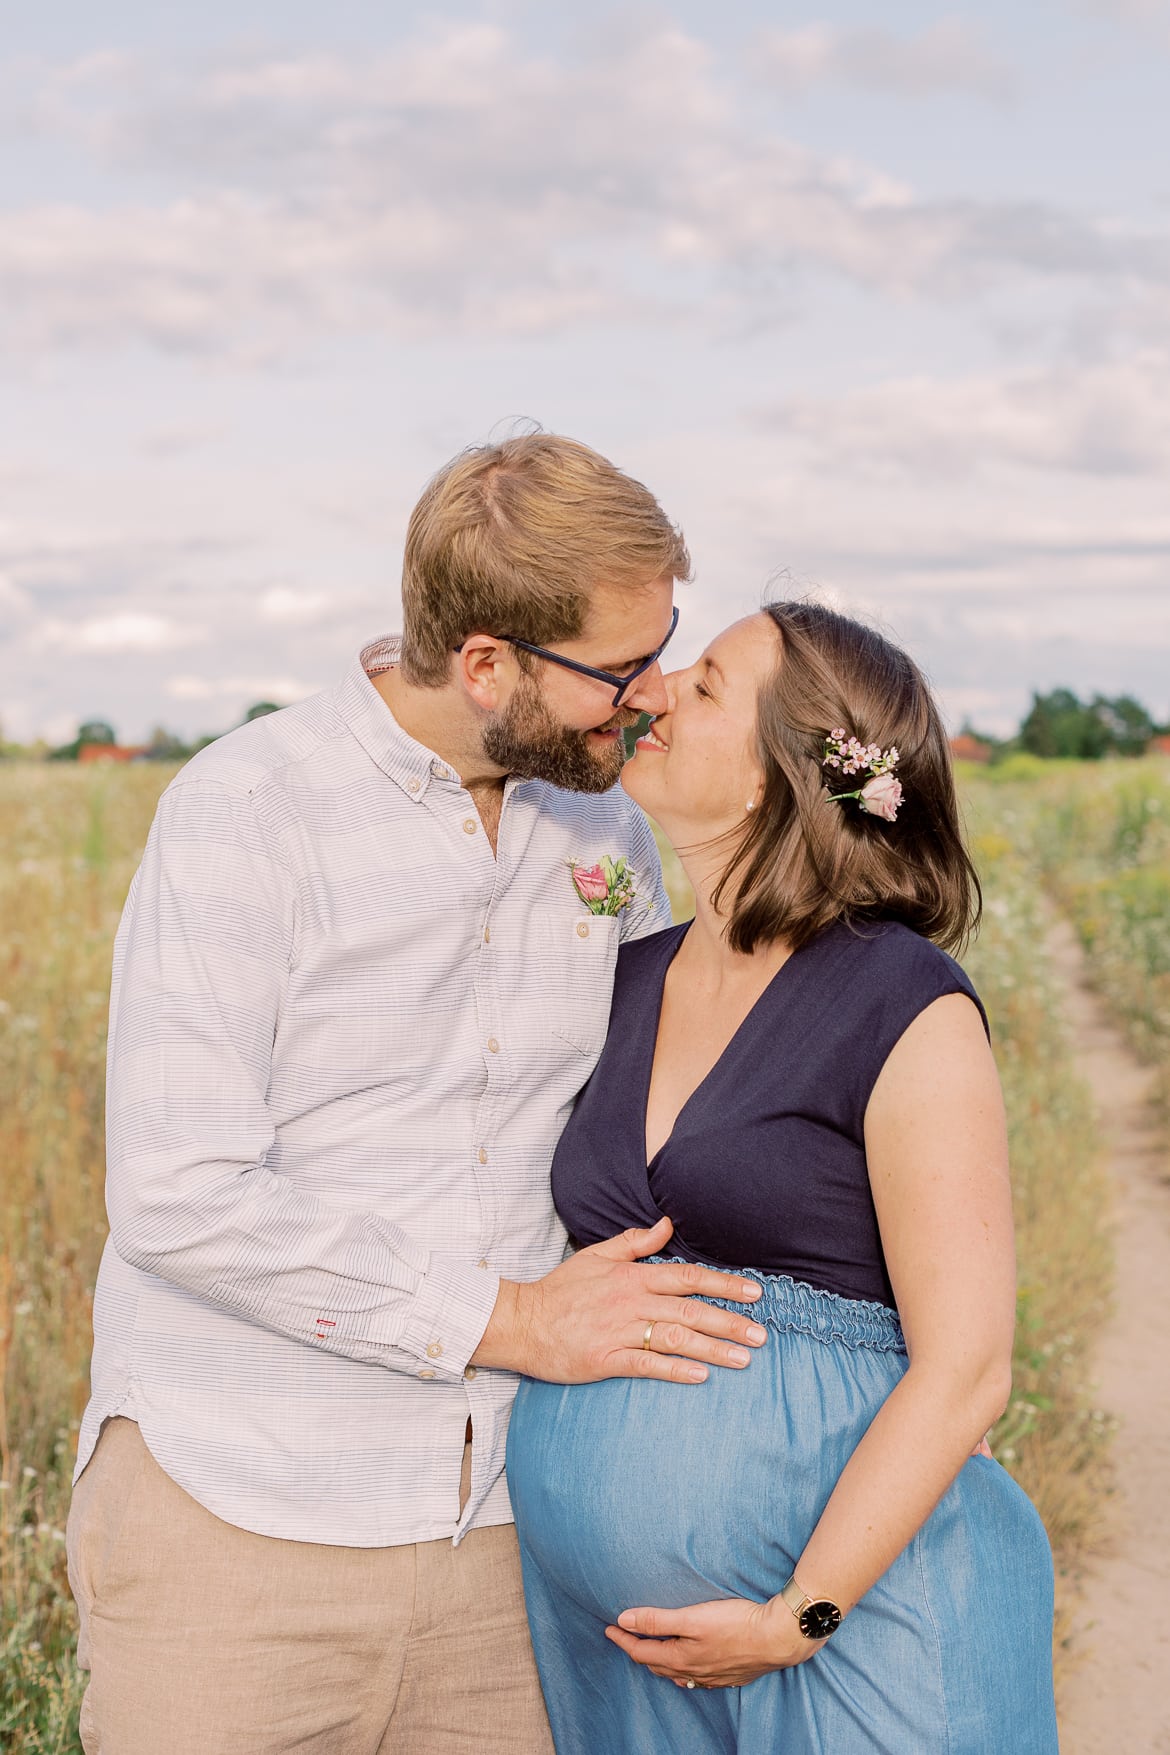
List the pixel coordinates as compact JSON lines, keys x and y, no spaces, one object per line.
{"x":794,"y":1596}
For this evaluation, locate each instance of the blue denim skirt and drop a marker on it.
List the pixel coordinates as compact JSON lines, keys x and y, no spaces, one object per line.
{"x":628,"y":1493}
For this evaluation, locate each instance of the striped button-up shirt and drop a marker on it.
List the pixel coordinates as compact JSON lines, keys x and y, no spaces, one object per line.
{"x":344,"y":1040}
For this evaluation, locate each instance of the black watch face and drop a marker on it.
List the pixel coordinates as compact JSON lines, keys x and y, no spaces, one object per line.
{"x":818,"y":1620}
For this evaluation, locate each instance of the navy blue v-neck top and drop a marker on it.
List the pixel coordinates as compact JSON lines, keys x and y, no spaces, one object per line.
{"x":765,"y":1167}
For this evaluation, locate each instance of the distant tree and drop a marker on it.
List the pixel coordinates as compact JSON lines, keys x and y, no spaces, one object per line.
{"x":1126,"y":721}
{"x":96,"y":731}
{"x":165,"y":746}
{"x":1057,"y":724}
{"x":259,"y":710}
{"x":1060,"y":724}
{"x":89,"y":731}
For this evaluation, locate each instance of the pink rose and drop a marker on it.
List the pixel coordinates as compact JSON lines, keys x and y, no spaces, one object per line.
{"x":881,"y":796}
{"x":591,"y":883}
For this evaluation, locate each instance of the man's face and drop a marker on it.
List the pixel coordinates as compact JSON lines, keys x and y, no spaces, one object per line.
{"x":562,"y":727}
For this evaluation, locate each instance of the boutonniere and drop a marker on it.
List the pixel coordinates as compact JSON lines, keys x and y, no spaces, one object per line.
{"x":605,"y":888}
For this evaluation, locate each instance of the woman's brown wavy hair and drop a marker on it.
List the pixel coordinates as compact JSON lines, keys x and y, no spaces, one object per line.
{"x":804,"y":862}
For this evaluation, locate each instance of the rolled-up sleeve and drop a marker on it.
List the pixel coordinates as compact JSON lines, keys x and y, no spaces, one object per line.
{"x":201,"y":968}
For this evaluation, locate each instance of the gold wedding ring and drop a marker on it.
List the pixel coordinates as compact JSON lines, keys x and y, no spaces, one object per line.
{"x":649,"y":1330}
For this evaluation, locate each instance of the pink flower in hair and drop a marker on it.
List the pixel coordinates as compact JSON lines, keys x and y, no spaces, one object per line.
{"x":881,"y":796}
{"x":881,"y":793}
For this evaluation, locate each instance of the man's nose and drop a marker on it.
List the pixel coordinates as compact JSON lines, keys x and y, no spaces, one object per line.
{"x":649,"y":692}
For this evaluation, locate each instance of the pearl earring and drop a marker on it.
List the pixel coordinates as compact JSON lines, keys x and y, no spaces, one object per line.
{"x":750,"y":805}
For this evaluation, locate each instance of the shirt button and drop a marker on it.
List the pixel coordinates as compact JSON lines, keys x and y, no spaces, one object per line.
{"x":493,"y":1045}
{"x":413,"y":784}
{"x":469,"y":826}
{"x":470,"y":1374}
{"x":482,"y":1155}
{"x":435,"y":1350}
{"x":582,"y":929}
{"x":487,"y":935}
{"x":482,"y":1262}
{"x":426,"y":1374}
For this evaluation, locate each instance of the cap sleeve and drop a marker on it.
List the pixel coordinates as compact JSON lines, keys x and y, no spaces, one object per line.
{"x":884,"y":977}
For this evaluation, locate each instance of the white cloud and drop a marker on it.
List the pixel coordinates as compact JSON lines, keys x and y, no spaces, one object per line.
{"x":282,"y":689}
{"x":296,"y":608}
{"x":646,"y":203}
{"x":945,"y":57}
{"x":178,"y":440}
{"x":460,"y":185}
{"x":1150,"y":16}
{"x":14,"y":602}
{"x":1100,"y":421}
{"x":120,"y":631}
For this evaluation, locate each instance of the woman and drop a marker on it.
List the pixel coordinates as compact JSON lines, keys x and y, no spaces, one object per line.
{"x":804,"y":1556}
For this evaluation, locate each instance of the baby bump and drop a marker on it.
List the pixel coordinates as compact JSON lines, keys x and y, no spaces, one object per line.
{"x":633,"y":1491}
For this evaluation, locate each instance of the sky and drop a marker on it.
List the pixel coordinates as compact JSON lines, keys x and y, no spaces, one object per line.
{"x":876,"y":301}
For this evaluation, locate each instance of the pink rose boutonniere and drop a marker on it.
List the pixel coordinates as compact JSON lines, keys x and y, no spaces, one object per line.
{"x":606,"y":887}
{"x":846,"y":757}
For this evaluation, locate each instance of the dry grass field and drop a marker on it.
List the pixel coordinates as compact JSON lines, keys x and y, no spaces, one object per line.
{"x":1098,"y":839}
{"x":71,"y":839}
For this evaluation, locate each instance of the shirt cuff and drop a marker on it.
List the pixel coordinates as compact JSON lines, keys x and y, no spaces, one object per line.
{"x":448,"y":1315}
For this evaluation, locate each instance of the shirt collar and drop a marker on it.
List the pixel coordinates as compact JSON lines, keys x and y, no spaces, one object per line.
{"x":409,"y":764}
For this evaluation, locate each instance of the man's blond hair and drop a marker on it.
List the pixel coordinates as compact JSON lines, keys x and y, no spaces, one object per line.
{"x":513,"y":538}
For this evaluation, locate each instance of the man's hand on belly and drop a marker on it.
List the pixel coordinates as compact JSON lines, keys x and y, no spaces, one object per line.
{"x":606,"y":1313}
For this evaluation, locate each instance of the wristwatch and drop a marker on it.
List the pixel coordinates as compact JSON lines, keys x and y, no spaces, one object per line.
{"x":816,"y":1617}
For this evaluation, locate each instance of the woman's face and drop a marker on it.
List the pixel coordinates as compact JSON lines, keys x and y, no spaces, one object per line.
{"x":697,"y":769}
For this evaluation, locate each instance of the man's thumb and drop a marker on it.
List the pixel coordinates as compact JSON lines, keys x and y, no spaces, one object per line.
{"x":632,"y":1245}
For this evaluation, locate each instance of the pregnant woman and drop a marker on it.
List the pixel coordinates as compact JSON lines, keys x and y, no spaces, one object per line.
{"x":803,"y":1557}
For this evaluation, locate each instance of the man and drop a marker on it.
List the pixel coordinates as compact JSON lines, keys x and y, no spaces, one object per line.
{"x":356,"y":990}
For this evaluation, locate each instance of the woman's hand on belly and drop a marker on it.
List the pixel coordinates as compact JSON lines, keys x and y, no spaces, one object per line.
{"x":714,"y":1645}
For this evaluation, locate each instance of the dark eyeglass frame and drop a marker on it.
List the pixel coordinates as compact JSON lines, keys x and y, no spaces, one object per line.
{"x":621,"y":684}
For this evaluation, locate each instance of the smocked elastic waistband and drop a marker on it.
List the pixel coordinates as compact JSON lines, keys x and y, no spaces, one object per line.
{"x":791,"y":1304}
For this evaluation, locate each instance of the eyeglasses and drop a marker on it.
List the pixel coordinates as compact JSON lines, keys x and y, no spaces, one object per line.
{"x":620,"y":684}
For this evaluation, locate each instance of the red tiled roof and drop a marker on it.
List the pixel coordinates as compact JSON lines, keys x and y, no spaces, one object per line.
{"x":109,"y":752}
{"x":966,"y":748}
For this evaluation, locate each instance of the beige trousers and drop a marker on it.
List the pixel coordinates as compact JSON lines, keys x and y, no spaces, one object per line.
{"x":204,"y":1639}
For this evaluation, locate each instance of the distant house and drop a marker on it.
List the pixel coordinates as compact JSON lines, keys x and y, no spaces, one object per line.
{"x":112,"y":752}
{"x":1159,"y":746}
{"x":966,"y":748}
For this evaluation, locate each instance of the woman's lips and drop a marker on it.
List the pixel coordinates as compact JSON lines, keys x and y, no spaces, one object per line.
{"x":650,"y":742}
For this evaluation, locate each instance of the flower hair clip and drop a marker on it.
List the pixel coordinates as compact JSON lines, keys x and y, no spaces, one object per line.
{"x":846,"y":756}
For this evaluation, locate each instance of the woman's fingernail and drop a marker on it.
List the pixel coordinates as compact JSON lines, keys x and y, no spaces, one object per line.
{"x":739,"y":1355}
{"x":697,"y":1373}
{"x":752,"y":1292}
{"x":628,"y":1621}
{"x":756,"y":1333}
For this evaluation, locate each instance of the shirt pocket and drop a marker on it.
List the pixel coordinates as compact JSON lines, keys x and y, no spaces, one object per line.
{"x":581,"y":952}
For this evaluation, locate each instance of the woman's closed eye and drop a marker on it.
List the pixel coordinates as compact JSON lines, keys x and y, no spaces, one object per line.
{"x":705,"y":692}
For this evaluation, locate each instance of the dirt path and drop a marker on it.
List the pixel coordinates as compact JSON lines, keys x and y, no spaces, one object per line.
{"x":1118,"y":1696}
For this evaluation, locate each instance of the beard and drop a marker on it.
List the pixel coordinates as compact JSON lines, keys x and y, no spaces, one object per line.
{"x":526,"y":740}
